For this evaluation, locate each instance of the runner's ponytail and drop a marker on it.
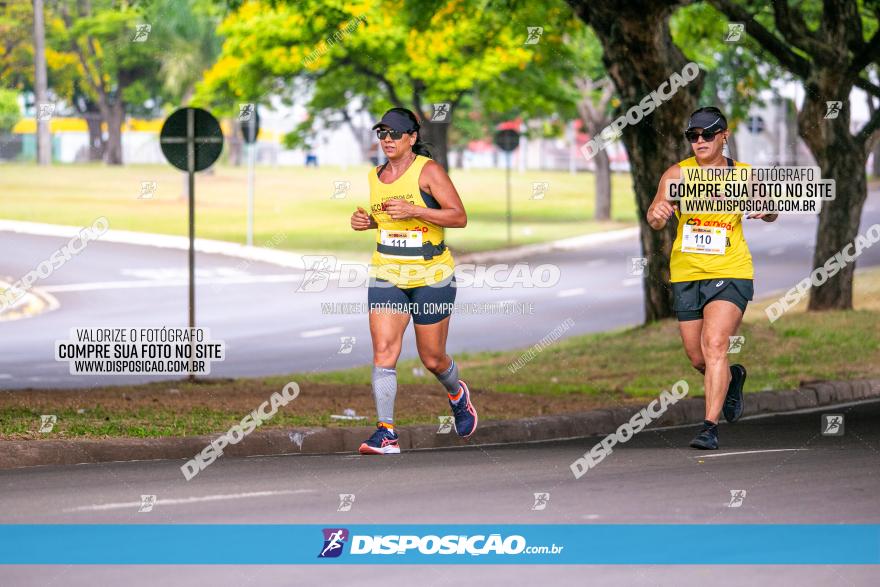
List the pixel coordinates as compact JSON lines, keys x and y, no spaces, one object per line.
{"x":420,"y":147}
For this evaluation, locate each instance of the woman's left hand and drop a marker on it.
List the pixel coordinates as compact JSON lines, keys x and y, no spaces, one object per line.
{"x":400,"y":209}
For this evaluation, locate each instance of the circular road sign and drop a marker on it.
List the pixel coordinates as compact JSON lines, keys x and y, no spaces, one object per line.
{"x":507,"y":140}
{"x":191,"y":139}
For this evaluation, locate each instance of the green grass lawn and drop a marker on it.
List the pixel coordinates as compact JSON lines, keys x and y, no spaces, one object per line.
{"x":639,"y":362}
{"x":296,"y":202}
{"x":574,"y":374}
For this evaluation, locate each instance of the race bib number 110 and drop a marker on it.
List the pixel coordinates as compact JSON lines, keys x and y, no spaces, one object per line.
{"x":703,"y":239}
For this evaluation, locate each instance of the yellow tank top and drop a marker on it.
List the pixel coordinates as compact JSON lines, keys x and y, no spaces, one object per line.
{"x":735,"y":263}
{"x":406,"y":271}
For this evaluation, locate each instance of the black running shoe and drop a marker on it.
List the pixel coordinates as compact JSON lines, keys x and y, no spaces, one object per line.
{"x":733,"y":403}
{"x":707,"y":439}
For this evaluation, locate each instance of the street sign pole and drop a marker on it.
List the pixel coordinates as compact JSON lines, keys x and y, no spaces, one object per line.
{"x":191,"y":171}
{"x":250,"y":128}
{"x":191,"y":140}
{"x":252,"y":155}
{"x":508,"y":140}
{"x":509,"y":204}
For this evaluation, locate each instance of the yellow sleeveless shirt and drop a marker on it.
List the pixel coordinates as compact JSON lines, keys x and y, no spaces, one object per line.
{"x":406,"y":271}
{"x":735,"y":263}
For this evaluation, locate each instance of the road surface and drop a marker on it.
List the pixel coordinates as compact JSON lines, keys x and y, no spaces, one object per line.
{"x":271,"y":329}
{"x":788,"y":471}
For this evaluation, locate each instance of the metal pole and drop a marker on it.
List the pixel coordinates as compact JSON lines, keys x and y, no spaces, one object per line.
{"x":191,"y":167}
{"x":251,"y":162}
{"x":509,"y":205}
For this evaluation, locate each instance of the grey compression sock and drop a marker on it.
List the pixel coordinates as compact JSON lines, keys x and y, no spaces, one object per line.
{"x":384,"y":391}
{"x":449,"y":378}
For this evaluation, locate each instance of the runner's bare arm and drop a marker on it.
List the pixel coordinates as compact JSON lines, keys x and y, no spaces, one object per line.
{"x":436,"y":182}
{"x":661,"y":209}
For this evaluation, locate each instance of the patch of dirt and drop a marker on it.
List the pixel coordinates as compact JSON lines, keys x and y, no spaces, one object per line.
{"x":414,"y":402}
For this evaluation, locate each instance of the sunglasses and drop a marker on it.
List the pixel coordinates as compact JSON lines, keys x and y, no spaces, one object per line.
{"x":395,"y":134}
{"x":708,"y":135}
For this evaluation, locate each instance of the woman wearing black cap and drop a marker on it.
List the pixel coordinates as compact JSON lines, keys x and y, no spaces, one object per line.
{"x":711,"y":274}
{"x":412,"y":201}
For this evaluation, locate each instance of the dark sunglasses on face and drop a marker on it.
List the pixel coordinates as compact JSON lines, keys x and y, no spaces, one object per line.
{"x":395,"y":134}
{"x":708,"y":135}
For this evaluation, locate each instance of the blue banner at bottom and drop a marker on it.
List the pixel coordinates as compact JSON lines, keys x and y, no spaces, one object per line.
{"x":677,"y":544}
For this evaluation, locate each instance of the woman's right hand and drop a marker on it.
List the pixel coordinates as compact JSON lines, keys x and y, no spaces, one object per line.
{"x":360,"y":220}
{"x":660,"y":213}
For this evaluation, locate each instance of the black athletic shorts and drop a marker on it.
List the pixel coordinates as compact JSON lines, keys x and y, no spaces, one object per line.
{"x":690,"y":297}
{"x":427,"y":304}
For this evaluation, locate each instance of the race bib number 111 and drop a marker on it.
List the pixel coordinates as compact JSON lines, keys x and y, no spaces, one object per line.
{"x":402,"y":238}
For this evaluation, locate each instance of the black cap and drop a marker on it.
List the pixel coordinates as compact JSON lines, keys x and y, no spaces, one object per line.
{"x":707,"y":120}
{"x":395,"y":121}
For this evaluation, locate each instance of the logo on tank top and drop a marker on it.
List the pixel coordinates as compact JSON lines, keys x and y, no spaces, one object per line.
{"x":383,"y":206}
{"x":694,"y":221}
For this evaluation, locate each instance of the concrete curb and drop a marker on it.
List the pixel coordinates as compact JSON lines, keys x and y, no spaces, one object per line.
{"x":30,"y":453}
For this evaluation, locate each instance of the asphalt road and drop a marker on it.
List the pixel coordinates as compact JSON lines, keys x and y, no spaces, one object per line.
{"x":788,"y":471}
{"x":269,"y":328}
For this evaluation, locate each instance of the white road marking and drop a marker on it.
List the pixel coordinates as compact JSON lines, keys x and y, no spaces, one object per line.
{"x":185,"y":500}
{"x":135,"y":284}
{"x":5,"y":376}
{"x":747,"y":452}
{"x":321,"y":332}
{"x":631,"y":281}
{"x":775,"y":251}
{"x":499,"y":302}
{"x":567,"y":293}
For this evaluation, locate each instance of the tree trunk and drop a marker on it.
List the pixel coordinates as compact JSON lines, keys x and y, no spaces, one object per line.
{"x":841,"y":157}
{"x":437,"y":134}
{"x":639,"y":55}
{"x":114,"y":115}
{"x":603,"y":186}
{"x":44,"y":138}
{"x":93,"y":119}
{"x":875,"y":146}
{"x":875,"y":165}
{"x":791,"y":133}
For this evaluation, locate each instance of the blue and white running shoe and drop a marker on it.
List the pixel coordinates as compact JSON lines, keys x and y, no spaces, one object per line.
{"x":464,"y":412}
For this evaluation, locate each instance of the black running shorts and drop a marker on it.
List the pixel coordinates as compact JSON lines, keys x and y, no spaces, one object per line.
{"x":427,"y":304}
{"x":690,"y":297}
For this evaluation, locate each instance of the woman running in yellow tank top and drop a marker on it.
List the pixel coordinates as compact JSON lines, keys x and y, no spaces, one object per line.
{"x":412,"y":202}
{"x":711,"y":274}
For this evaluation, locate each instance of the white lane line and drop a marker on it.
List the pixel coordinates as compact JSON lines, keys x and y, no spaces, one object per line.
{"x":220,"y":497}
{"x":631,"y":281}
{"x":747,"y":452}
{"x":321,"y":332}
{"x":134,"y":284}
{"x":5,"y":376}
{"x":775,"y":251}
{"x":567,"y":293}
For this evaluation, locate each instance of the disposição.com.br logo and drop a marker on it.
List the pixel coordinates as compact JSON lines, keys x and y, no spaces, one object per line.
{"x":335,"y":540}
